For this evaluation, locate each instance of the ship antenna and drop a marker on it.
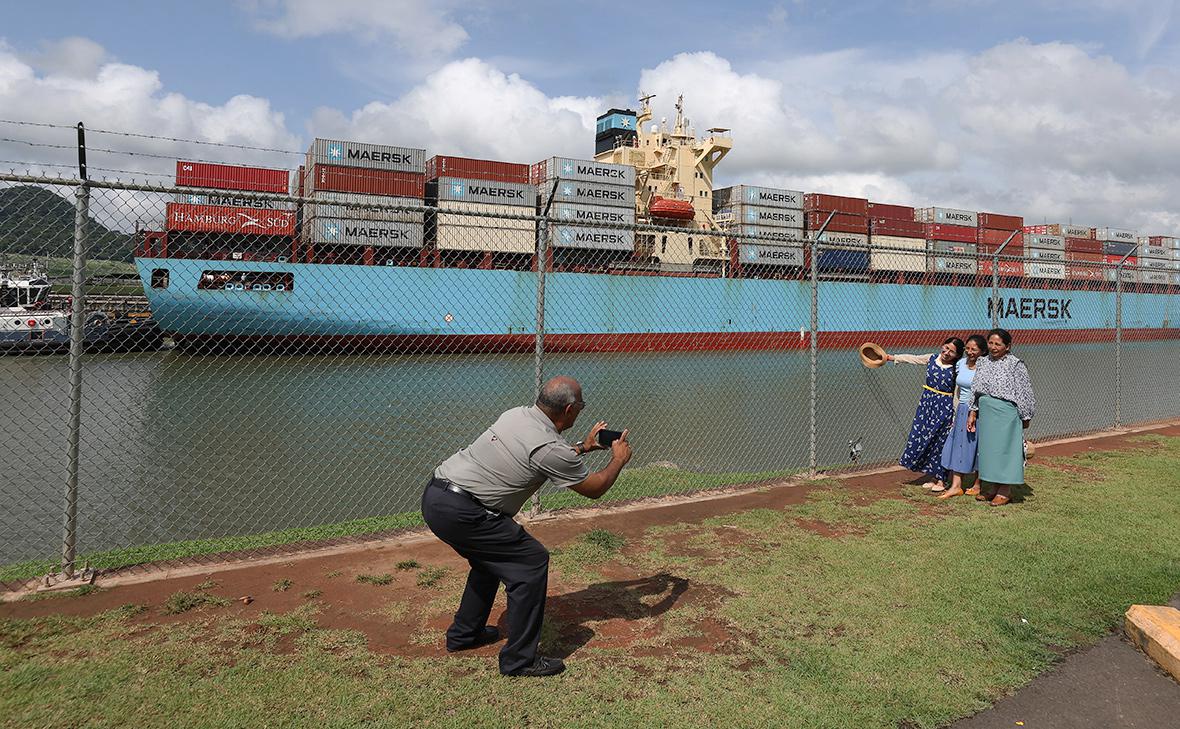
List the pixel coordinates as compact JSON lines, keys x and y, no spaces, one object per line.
{"x":679,"y":114}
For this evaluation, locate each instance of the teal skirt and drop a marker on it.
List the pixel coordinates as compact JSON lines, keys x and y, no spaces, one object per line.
{"x":1001,"y":441}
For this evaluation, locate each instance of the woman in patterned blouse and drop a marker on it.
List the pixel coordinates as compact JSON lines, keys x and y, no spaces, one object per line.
{"x":1002,"y":405}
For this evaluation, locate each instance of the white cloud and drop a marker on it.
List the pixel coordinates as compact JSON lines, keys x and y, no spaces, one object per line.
{"x":74,"y":57}
{"x":416,"y":26}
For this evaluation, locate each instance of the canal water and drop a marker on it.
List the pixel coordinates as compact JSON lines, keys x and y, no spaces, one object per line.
{"x":176,"y":446}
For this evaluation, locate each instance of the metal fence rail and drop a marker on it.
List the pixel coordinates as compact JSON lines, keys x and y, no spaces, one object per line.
{"x":304,"y":389}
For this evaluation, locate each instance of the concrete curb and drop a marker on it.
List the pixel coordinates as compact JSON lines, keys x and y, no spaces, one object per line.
{"x":1155,"y":630}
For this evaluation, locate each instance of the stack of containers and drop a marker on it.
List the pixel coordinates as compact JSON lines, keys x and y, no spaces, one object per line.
{"x":248,"y":228}
{"x":457,"y":185}
{"x":1044,"y":253}
{"x":765,"y":212}
{"x":898,"y":241}
{"x":952,"y":237}
{"x":588,"y":193}
{"x":847,"y":235}
{"x":1116,"y":244}
{"x":994,"y":231}
{"x":1155,"y":261}
{"x":1082,"y":251}
{"x":339,"y":172}
{"x":1173,"y":245}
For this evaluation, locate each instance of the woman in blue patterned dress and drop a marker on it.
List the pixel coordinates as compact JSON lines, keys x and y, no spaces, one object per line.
{"x":959,"y":455}
{"x":932,"y":421}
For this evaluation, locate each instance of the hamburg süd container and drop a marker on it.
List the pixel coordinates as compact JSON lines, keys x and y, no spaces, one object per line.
{"x":841,"y":222}
{"x":231,"y":177}
{"x":581,"y":170}
{"x":491,"y":192}
{"x":1038,"y":269}
{"x":231,"y":200}
{"x":898,"y":253}
{"x":1006,"y":267}
{"x":758,"y":215}
{"x":768,"y":254}
{"x":476,"y":169}
{"x":767,"y":197}
{"x":378,"y":233}
{"x":218,"y":219}
{"x":590,"y":193}
{"x":363,"y":181}
{"x":576,"y":236}
{"x":1115,"y":235}
{"x":1037,"y":240}
{"x":1116,"y":258}
{"x":816,"y":201}
{"x":957,"y":233}
{"x":947,"y":216}
{"x":591,"y":214}
{"x":995,"y":221}
{"x":1081,"y":272}
{"x":367,"y":156}
{"x":896,"y":228}
{"x":885,"y":211}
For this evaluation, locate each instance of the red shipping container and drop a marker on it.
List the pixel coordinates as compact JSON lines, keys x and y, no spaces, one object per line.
{"x":987,"y":249}
{"x":1161,"y":240}
{"x":1087,"y":245}
{"x":956,"y":233}
{"x":995,"y":221}
{"x":903,"y":228}
{"x":1007,"y":268}
{"x":232,"y":177}
{"x":476,"y":169}
{"x":1085,"y":273}
{"x":890,"y":212}
{"x":996,"y":238}
{"x":364,"y":181}
{"x":1083,"y":256}
{"x":841,"y":223}
{"x":814,"y":201}
{"x":1132,"y":261}
{"x":225,"y":219}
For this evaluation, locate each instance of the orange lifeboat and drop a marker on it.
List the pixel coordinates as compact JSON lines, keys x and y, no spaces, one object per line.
{"x":663,"y":207}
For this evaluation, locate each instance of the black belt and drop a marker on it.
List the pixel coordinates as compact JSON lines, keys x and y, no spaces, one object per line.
{"x":446,"y":485}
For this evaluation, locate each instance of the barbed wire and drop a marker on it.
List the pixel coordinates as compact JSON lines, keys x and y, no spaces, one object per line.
{"x":138,"y":135}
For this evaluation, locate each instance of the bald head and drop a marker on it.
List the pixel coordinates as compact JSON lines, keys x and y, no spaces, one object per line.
{"x":558,"y":394}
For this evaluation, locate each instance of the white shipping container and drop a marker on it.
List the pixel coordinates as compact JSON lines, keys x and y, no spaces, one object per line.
{"x":232,"y":200}
{"x":590,"y":193}
{"x":758,"y":215}
{"x":450,"y":237}
{"x":1044,"y":270}
{"x":592,"y":214}
{"x":1150,"y":251}
{"x":947,"y":216}
{"x":361,"y":154}
{"x":770,"y":255}
{"x":895,"y":253}
{"x":314,"y":210}
{"x":850,"y":240}
{"x":1155,"y":277}
{"x":1055,"y":242}
{"x":1116,"y":235}
{"x":610,"y":239}
{"x":1129,"y":274}
{"x":1045,"y":254}
{"x":1166,"y":264}
{"x":957,"y":264}
{"x":487,"y":191}
{"x":767,"y":197}
{"x":586,"y":170}
{"x":1075,"y":231}
{"x":380,"y":233}
{"x":795,"y":234}
{"x":482,"y":216}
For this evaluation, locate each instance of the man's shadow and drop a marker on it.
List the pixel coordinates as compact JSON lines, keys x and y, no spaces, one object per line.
{"x":570,"y":612}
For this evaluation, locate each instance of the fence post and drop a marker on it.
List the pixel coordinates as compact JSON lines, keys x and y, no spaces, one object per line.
{"x":77,"y":320}
{"x":539,"y":338}
{"x":995,"y":305}
{"x":813,"y":458}
{"x":1118,"y":338}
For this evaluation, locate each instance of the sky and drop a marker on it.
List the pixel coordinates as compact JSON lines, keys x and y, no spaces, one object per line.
{"x":1060,"y":111}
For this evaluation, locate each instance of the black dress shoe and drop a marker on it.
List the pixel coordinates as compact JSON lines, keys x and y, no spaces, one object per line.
{"x":542,"y":666}
{"x":489,"y":635}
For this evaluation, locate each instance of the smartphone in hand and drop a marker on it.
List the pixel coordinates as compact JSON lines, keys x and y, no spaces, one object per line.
{"x":606,"y":437}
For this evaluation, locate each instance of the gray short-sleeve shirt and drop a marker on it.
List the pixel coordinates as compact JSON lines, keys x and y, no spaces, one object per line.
{"x":512,"y":459}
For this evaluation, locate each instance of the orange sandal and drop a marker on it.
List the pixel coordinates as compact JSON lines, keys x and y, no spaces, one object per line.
{"x":1000,"y":500}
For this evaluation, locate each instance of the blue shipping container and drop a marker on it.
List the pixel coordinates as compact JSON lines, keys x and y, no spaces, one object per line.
{"x":841,"y":260}
{"x":1111,"y":248}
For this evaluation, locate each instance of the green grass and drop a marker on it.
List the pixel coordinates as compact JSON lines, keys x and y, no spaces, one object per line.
{"x":384,"y":579}
{"x":182,"y":602}
{"x":431,"y":576}
{"x":282,"y":585}
{"x":916,"y":613}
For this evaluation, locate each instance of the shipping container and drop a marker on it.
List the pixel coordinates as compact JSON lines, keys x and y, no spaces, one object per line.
{"x":997,"y":238}
{"x":786,"y":234}
{"x":377,"y":233}
{"x":314,"y":210}
{"x":1086,"y":245}
{"x":1116,"y":235}
{"x":590,"y":193}
{"x":1079,"y":272}
{"x":233,"y":201}
{"x":484,"y":191}
{"x":481,"y":215}
{"x":581,"y":170}
{"x":1130,"y":275}
{"x":947,"y":216}
{"x":1155,"y":277}
{"x":851,"y":240}
{"x":995,"y":221}
{"x":1164,"y":240}
{"x":1150,"y":251}
{"x":950,"y":246}
{"x":453,"y":232}
{"x":218,"y":219}
{"x":297,"y":183}
{"x":1012,"y":249}
{"x":1158,"y":264}
{"x":476,"y":169}
{"x":366,"y":156}
{"x":897,"y":228}
{"x":1118,"y":249}
{"x":1085,"y":256}
{"x":770,"y":255}
{"x":841,"y":223}
{"x":815,"y":201}
{"x":576,"y":236}
{"x":767,"y":197}
{"x":1036,"y":269}
{"x":1006,"y":267}
{"x":231,"y":177}
{"x":358,"y":180}
{"x":758,"y":215}
{"x":884,"y":211}
{"x":897,"y":253}
{"x":954,"y":264}
{"x":958,"y":233}
{"x":1045,"y":254}
{"x":1038,"y":240}
{"x":592,"y":214}
{"x":842,"y":260}
{"x":1065,"y":230}
{"x":1112,"y":258}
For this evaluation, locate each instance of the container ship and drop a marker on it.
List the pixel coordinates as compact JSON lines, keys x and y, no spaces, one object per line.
{"x":448,"y":262}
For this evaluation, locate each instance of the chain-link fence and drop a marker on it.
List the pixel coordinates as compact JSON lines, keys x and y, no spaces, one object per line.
{"x":295,"y":381}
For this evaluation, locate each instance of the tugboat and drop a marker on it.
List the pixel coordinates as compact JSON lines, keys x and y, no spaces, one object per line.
{"x":29,"y":326}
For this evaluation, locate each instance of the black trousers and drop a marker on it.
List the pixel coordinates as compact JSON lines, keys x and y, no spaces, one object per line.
{"x":498,"y":550}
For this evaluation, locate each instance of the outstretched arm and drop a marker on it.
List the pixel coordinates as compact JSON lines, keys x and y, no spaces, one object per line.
{"x":917,"y":359}
{"x":599,"y":482}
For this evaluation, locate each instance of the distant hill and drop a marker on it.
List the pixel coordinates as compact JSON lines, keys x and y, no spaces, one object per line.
{"x":38,"y":222}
